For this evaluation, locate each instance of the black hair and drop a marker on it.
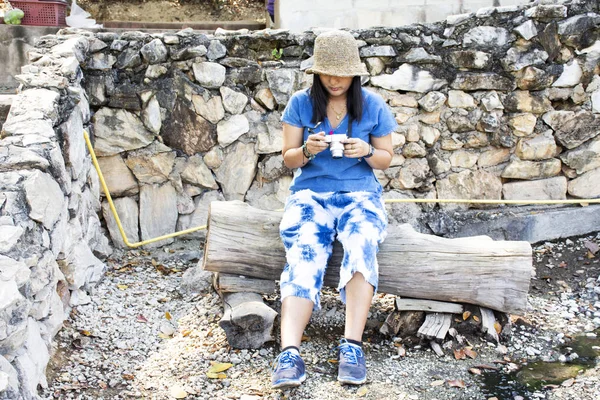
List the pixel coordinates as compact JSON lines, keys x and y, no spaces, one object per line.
{"x":320,"y":98}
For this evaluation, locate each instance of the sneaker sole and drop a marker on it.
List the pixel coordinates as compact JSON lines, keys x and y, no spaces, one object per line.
{"x":289,"y":383}
{"x":350,"y":381}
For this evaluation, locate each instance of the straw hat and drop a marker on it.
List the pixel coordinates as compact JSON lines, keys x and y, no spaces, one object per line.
{"x":336,"y":54}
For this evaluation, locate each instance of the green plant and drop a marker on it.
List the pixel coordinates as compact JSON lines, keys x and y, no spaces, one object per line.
{"x":277,"y":53}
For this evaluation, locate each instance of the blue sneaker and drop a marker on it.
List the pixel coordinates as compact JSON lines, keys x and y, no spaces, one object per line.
{"x":352,"y":368}
{"x":288,"y":370}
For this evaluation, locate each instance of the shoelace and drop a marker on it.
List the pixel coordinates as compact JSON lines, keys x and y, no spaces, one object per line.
{"x":350,"y":353}
{"x":287,"y":359}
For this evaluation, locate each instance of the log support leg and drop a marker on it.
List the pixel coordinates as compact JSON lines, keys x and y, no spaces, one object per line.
{"x":247,"y":320}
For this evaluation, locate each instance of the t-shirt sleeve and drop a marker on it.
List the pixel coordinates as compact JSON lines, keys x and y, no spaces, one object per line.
{"x":385,"y":122}
{"x":291,"y":114}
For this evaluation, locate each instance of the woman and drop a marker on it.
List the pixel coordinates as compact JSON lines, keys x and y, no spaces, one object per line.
{"x":332,"y":197}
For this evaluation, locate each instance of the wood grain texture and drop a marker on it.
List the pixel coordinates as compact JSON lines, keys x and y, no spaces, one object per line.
{"x":243,"y":240}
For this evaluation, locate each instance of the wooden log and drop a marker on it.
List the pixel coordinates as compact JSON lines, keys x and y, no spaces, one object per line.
{"x":227,"y":283}
{"x":488,"y":321}
{"x":244,"y":240}
{"x":428,"y":305}
{"x":247,"y":320}
{"x":436,"y":326}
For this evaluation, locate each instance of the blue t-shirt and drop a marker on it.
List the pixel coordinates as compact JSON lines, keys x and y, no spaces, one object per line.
{"x":324,"y":173}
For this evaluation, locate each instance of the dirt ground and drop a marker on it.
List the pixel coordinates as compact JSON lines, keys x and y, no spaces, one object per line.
{"x":175,"y":10}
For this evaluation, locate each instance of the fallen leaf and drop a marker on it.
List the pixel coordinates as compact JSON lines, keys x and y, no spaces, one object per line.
{"x":475,"y":371}
{"x":562,"y":264}
{"x":590,"y":255}
{"x":466,"y":315}
{"x":178,"y":392}
{"x":459,"y":354}
{"x":128,"y":377}
{"x":168,"y":316}
{"x":470,"y":353}
{"x":141,"y":318}
{"x":186,"y":332}
{"x":163,"y":336}
{"x":456,"y":383}
{"x":122,"y":287}
{"x":102,"y":385}
{"x":439,"y":382}
{"x":85,"y":333}
{"x":332,"y":361}
{"x":497,"y":327}
{"x":154,"y":262}
{"x":305,"y":338}
{"x":476,"y":318}
{"x":216,"y":375}
{"x":219,"y":367}
{"x":362,"y":391}
{"x":568,"y":382}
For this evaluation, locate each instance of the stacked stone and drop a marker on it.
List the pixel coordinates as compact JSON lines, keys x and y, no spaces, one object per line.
{"x":50,"y":232}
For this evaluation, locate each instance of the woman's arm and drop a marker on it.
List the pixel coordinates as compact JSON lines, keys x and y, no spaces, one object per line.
{"x":293,"y":156}
{"x":382,"y":156}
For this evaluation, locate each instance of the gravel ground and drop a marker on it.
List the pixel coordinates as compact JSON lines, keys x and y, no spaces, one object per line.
{"x":144,"y":336}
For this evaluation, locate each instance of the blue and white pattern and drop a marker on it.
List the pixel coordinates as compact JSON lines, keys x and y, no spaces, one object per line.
{"x":309,"y":226}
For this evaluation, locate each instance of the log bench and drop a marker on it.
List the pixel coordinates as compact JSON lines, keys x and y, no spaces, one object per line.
{"x":243,"y":246}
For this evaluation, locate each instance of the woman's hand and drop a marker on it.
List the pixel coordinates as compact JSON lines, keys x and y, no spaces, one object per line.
{"x":356,"y":148}
{"x":315,"y":143}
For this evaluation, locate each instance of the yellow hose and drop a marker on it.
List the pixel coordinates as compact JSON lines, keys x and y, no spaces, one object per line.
{"x":202,"y":227}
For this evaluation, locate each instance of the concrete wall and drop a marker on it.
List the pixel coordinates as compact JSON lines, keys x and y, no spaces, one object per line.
{"x":360,"y":14}
{"x":15,"y":42}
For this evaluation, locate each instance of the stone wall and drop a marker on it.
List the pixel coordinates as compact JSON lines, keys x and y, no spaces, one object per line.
{"x":50,"y":234}
{"x":499,"y":104}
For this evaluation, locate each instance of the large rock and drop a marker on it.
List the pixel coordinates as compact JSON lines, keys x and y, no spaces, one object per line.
{"x":518,"y":169}
{"x":210,"y":75}
{"x":151,"y":116}
{"x":154,"y":52}
{"x":547,"y":12}
{"x":522,"y":124}
{"x":118,"y":177}
{"x":45,"y":198}
{"x":228,"y":131}
{"x":482,"y":81}
{"x":409,"y":78}
{"x":460,"y":99}
{"x":269,"y":195}
{"x":413,"y":174}
{"x":9,"y":236}
{"x":81,"y":268}
{"x":210,"y":108}
{"x":571,"y":75}
{"x":152,"y":164}
{"x":524,"y":101}
{"x":493,"y":157}
{"x":468,"y":185}
{"x":270,"y":140}
{"x":158,"y":212}
{"x":540,"y":147}
{"x":463,"y":159}
{"x":470,"y":59}
{"x":541,"y":189}
{"x":282,"y":83}
{"x":75,"y":148}
{"x":518,"y":58}
{"x":533,"y":78}
{"x":584,"y":158}
{"x":432,"y":101}
{"x":586,"y":186}
{"x":197,"y":173}
{"x":234,"y":102}
{"x":118,"y":130}
{"x":200,"y":215}
{"x":486,"y":38}
{"x":188,"y":132}
{"x":236,"y":172}
{"x":572,"y":132}
{"x":36,"y":104}
{"x":128,"y":212}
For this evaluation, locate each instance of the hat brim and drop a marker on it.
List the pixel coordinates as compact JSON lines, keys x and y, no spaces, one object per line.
{"x":343,"y":74}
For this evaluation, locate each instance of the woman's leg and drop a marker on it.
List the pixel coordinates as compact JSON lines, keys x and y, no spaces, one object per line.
{"x":295,"y":314}
{"x":359,"y":294}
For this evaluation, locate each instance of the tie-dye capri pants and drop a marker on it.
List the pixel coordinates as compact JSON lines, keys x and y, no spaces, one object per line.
{"x":308,"y":229}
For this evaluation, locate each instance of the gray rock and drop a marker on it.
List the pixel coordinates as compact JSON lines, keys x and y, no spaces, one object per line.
{"x":35,"y":104}
{"x":209,"y":75}
{"x":493,"y":157}
{"x":228,"y":131}
{"x":482,"y":81}
{"x":195,"y":281}
{"x":216,"y":50}
{"x":519,"y":58}
{"x":585,"y":157}
{"x":117,"y":131}
{"x":197,"y":173}
{"x":524,"y":101}
{"x":409,"y":78}
{"x":200,"y":215}
{"x":419,"y":56}
{"x":518,"y":169}
{"x":154,"y":52}
{"x":271,"y":140}
{"x":413,"y":174}
{"x":119,"y":45}
{"x":540,"y":147}
{"x":129,"y":59}
{"x":460,"y":99}
{"x":44,"y":197}
{"x":188,"y":53}
{"x":236,"y":172}
{"x":377,"y":51}
{"x":118,"y":177}
{"x":577,"y":130}
{"x":470,"y":59}
{"x":158,"y":212}
{"x":265,"y":97}
{"x":486,"y":37}
{"x":210,"y":108}
{"x":586,"y":186}
{"x":9,"y":236}
{"x":151,"y":116}
{"x":527,"y":30}
{"x":432,"y":101}
{"x":463,"y":159}
{"x":101,"y":62}
{"x":546,"y":12}
{"x":187,"y":131}
{"x":522,"y":124}
{"x":282,"y":83}
{"x":541,"y":189}
{"x":156,"y":71}
{"x":128,"y":212}
{"x":74,"y":47}
{"x":233,"y":102}
{"x":571,"y":75}
{"x":152,"y":164}
{"x":468,"y":185}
